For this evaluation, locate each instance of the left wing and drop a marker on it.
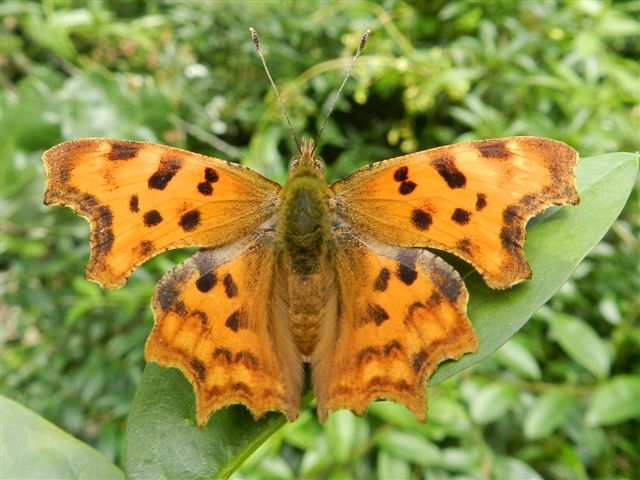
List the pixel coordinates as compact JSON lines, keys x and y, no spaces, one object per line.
{"x":214,"y":322}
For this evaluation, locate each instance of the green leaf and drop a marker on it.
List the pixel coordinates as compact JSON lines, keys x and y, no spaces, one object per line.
{"x":164,"y":441}
{"x":509,"y":467}
{"x":615,"y":402}
{"x":31,"y":448}
{"x":390,"y":466}
{"x":492,"y":402}
{"x":581,"y":343}
{"x":410,"y":446}
{"x":519,"y":359}
{"x":547,"y":414}
{"x":341,"y":431}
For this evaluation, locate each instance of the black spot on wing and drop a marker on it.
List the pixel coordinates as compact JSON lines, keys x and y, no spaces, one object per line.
{"x":420,"y":219}
{"x":406,"y":267}
{"x":206,"y":282}
{"x":205,"y":188}
{"x":447,"y":169}
{"x":103,"y":233}
{"x":406,"y":274}
{"x":418,"y":360}
{"x":230,"y":287}
{"x":134,"y":204}
{"x":512,"y":232}
{"x":461,"y":216}
{"x":123,"y":151}
{"x":446,"y":281}
{"x":481,"y":201}
{"x":102,"y":237}
{"x":407,"y":187}
{"x":190,"y":220}
{"x":237,"y":320}
{"x":169,"y":166}
{"x":152,"y":218}
{"x":494,"y":149}
{"x":381,"y":282}
{"x":401,"y":174}
{"x":198,"y":368}
{"x":146,"y":247}
{"x":166,"y":293}
{"x":210,"y":175}
{"x":377,"y":314}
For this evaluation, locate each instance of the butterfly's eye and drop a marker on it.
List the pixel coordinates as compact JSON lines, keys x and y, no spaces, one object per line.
{"x":294,"y":164}
{"x":318,"y":164}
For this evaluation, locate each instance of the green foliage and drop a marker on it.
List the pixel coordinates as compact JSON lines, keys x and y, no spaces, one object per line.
{"x":35,"y":448}
{"x":559,"y":400}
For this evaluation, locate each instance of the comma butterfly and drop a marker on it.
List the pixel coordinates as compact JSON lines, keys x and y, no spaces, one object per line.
{"x":334,"y":275}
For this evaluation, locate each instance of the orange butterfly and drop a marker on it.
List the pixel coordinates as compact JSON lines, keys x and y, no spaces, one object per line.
{"x":337,"y":276}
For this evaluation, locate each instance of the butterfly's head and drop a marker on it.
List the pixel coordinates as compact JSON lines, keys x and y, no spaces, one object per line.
{"x":306,"y":162}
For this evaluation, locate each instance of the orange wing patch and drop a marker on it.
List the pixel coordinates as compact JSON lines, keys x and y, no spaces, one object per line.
{"x":472,"y":199}
{"x":402,"y":312}
{"x":143,"y":199}
{"x":213,"y":323}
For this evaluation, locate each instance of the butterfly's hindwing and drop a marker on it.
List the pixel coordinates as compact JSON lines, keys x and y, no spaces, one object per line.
{"x":401,"y":313}
{"x":214,"y":321}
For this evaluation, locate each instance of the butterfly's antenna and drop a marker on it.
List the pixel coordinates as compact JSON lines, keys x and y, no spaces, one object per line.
{"x":363,"y":41}
{"x":256,"y":42}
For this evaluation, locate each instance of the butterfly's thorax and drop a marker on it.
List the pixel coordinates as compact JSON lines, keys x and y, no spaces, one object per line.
{"x":302,"y":231}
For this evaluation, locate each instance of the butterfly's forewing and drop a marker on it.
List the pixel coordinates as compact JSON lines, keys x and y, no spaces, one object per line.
{"x":471,"y":199}
{"x":401,"y":313}
{"x":214,"y":321}
{"x":142,"y":199}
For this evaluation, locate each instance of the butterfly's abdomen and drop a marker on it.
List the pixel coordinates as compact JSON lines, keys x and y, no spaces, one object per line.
{"x":303,"y":292}
{"x":303,"y":224}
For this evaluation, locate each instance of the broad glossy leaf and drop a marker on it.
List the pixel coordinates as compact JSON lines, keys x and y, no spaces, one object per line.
{"x":32,"y":448}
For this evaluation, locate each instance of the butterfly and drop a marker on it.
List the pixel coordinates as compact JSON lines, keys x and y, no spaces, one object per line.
{"x":337,"y":276}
